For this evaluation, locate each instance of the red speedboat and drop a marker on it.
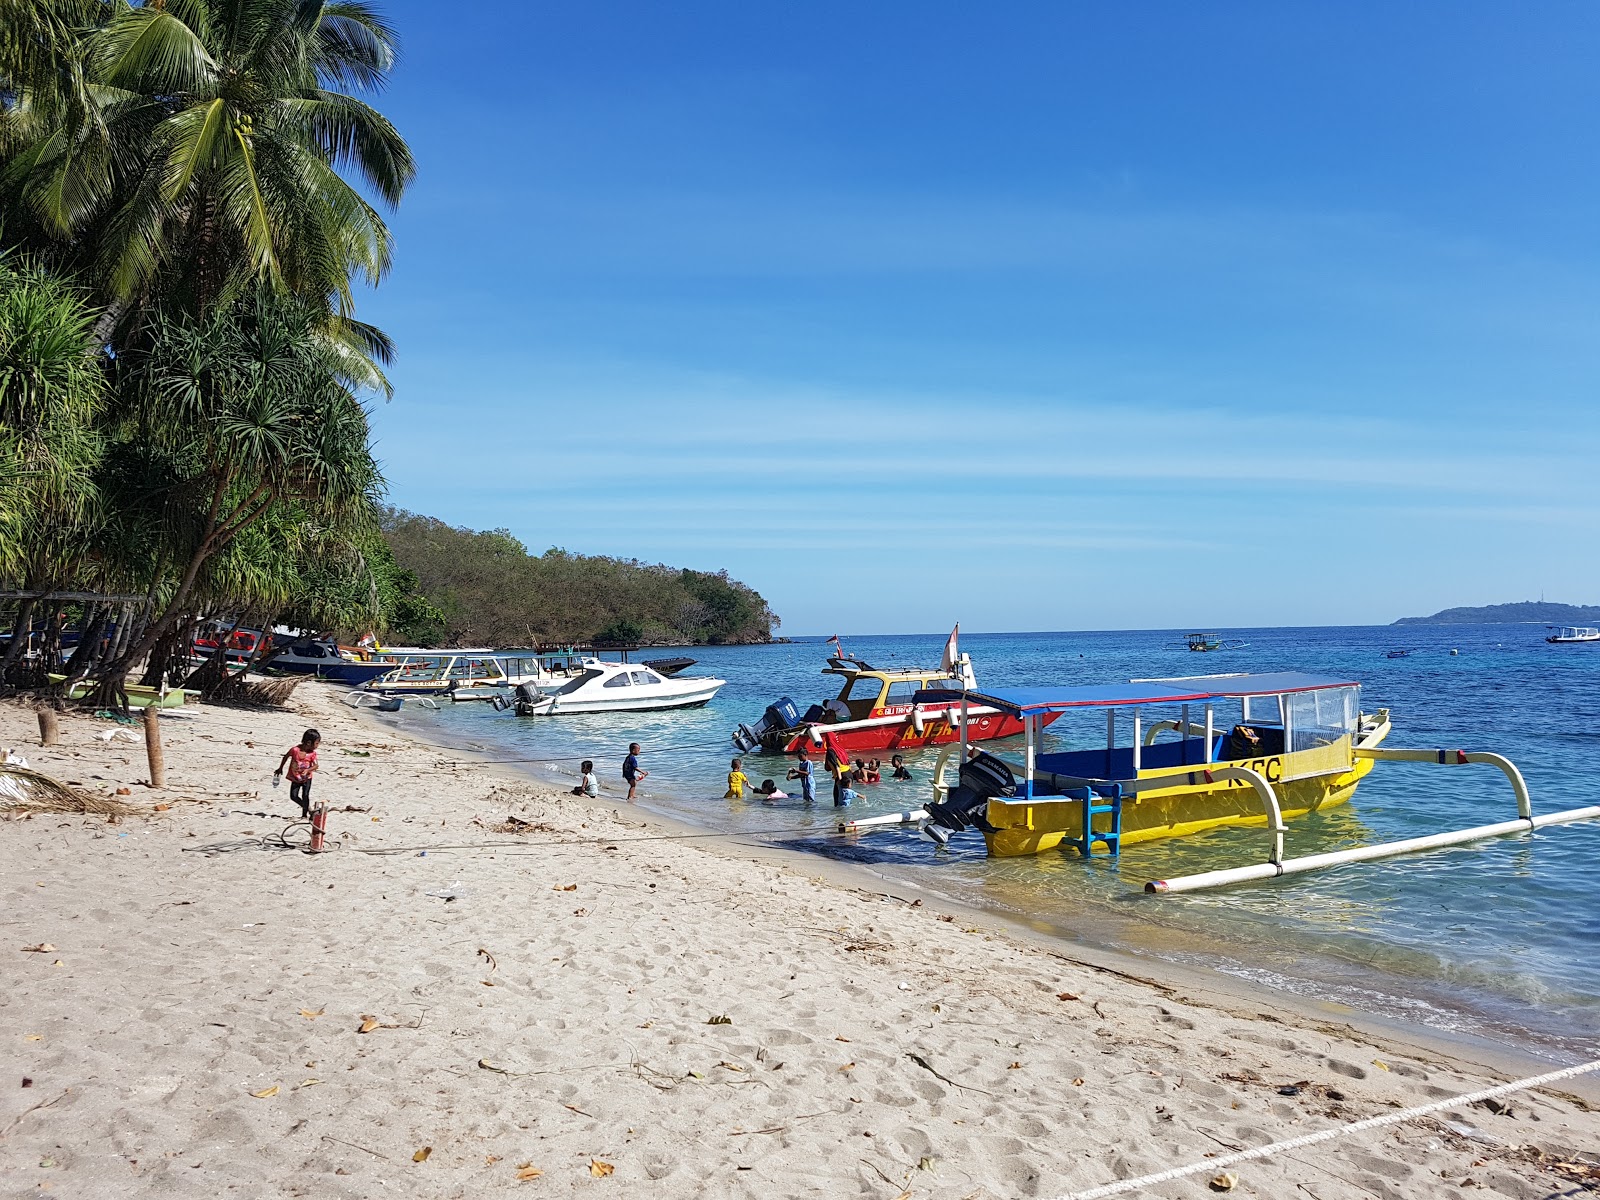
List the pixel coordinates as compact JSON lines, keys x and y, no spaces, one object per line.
{"x":874,"y":713}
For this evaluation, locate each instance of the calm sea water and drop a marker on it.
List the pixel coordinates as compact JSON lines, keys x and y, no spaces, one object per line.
{"x":1499,"y":939}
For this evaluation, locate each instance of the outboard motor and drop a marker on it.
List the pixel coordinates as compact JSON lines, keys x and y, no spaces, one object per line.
{"x":782,"y":714}
{"x":527,"y":693}
{"x":982,"y":778}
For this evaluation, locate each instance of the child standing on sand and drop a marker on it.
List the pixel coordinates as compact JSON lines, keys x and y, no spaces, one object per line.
{"x":737,"y":780}
{"x":302,"y":763}
{"x":630,"y":768}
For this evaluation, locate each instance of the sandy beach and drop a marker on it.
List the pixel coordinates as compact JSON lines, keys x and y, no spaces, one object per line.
{"x":598,"y":1004}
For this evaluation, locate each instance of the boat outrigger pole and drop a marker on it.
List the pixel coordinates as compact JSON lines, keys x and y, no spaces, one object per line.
{"x":1277,"y":865}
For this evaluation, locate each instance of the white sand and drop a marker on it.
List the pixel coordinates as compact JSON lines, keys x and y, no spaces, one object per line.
{"x":872,"y":1048}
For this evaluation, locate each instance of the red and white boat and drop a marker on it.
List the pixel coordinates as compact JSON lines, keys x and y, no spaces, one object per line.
{"x":874,"y":712}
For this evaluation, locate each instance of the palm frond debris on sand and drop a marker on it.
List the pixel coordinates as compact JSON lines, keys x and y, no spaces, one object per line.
{"x":25,"y":790}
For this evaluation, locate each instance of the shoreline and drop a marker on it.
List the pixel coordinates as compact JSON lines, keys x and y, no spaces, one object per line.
{"x":1123,"y":941}
{"x":293,"y":1025}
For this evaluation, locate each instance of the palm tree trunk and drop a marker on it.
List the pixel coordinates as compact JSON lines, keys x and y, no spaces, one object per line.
{"x":19,"y":637}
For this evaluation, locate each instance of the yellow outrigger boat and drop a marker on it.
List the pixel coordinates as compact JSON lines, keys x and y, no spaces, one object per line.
{"x":1301,"y":744}
{"x":1303,"y":734}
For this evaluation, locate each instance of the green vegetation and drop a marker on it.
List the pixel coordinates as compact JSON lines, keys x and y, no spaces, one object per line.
{"x":490,"y":591}
{"x":183,"y":380}
{"x":1522,"y":612}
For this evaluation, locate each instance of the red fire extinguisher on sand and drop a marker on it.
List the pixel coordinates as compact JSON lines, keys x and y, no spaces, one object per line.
{"x":319,"y":828}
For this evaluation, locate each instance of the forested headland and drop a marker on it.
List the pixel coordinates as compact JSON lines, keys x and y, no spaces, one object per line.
{"x":191,"y":199}
{"x":484,"y":588}
{"x":1520,"y":612}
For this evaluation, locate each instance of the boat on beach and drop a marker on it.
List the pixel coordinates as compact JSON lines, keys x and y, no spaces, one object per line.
{"x":1160,"y":778}
{"x":1300,"y":744}
{"x":323,"y":658}
{"x":616,"y":687}
{"x":139,"y":695}
{"x":878,"y":711}
{"x":1567,"y":635}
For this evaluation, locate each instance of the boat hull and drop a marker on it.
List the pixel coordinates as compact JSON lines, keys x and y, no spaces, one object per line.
{"x":139,"y":696}
{"x":564,"y":706}
{"x":333,"y":670}
{"x":1192,"y":805}
{"x":880,"y":734}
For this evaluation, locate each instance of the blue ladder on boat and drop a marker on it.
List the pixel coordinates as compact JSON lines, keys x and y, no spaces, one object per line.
{"x":1112,"y":837}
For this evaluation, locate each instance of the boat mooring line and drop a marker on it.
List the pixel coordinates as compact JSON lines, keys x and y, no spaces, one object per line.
{"x":1123,"y":1186}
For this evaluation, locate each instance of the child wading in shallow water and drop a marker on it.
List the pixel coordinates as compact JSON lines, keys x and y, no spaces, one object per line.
{"x":302,"y":762}
{"x":737,"y":780}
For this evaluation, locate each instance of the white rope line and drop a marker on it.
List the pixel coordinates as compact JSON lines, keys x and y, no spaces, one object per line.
{"x":1326,"y":1135}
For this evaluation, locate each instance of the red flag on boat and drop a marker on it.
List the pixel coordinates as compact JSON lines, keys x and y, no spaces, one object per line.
{"x":951,"y":652}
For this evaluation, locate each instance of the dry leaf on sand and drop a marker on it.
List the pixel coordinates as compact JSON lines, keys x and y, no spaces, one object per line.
{"x":422,"y":1155}
{"x":600,"y":1169}
{"x":527,"y":1173}
{"x":368,"y":1023}
{"x":41,"y":948}
{"x":720,"y":1019}
{"x":264,"y":1093}
{"x":1224,"y":1182}
{"x":310,"y":1015}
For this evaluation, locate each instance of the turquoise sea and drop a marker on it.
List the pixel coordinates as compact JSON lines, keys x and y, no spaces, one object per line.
{"x":1498,"y":940}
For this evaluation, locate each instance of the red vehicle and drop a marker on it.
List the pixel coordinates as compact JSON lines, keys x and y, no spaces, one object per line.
{"x":874,"y":713}
{"x":242,"y":644}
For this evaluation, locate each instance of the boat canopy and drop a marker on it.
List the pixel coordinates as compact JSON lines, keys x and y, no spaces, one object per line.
{"x":1024,"y":701}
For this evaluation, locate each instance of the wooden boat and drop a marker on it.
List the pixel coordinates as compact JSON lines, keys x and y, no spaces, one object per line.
{"x":1205,"y":643}
{"x":1302,"y":745}
{"x":139,"y":696}
{"x":1567,"y":635}
{"x":876,"y":711}
{"x":1301,"y":733}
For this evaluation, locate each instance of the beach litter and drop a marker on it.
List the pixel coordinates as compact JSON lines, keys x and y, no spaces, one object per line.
{"x":24,"y":790}
{"x":451,"y":891}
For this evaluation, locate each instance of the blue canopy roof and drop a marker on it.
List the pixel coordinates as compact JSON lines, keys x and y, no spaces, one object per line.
{"x":1158,"y":691}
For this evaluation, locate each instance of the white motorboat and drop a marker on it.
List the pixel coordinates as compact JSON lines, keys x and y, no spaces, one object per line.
{"x":1568,"y":635}
{"x":616,"y":687}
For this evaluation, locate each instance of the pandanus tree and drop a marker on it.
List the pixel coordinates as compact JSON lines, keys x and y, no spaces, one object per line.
{"x":241,"y":413}
{"x":52,"y":395}
{"x":180,"y":152}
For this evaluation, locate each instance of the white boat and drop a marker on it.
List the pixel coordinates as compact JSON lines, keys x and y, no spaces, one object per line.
{"x":1568,"y":634}
{"x":616,"y":687}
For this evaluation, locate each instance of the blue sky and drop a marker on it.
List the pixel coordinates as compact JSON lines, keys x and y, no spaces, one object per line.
{"x":1037,"y":316}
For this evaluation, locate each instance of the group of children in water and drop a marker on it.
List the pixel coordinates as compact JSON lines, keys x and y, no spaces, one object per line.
{"x":846,"y":776}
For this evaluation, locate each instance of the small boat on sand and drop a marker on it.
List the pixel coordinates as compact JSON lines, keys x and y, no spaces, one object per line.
{"x":139,"y":696}
{"x":615,"y":687}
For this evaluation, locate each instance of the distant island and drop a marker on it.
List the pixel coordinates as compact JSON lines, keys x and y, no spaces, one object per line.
{"x":1524,"y":612}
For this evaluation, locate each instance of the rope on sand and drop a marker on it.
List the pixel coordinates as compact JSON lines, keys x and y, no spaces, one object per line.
{"x":1327,"y":1135}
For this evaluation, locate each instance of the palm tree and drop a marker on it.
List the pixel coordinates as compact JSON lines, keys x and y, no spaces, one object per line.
{"x":241,"y":413}
{"x":52,"y":394}
{"x":181,"y":151}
